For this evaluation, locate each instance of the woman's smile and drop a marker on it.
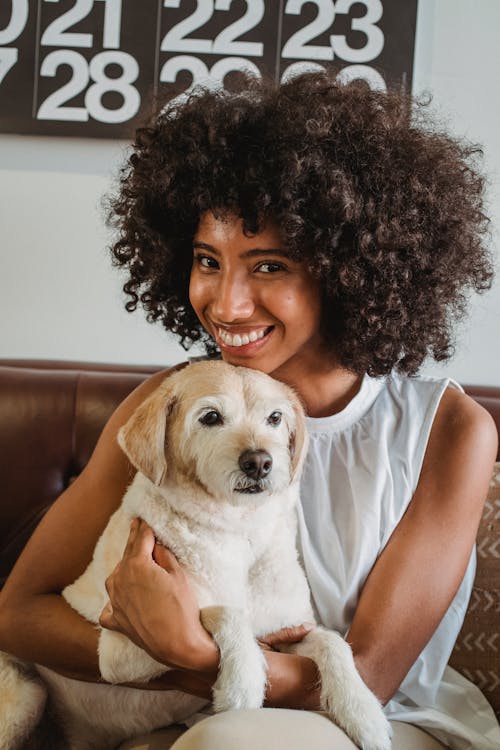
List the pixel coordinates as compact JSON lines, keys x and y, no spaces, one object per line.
{"x":241,"y":338}
{"x":260,"y":306}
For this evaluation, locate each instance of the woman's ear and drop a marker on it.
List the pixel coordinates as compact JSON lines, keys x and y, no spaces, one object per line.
{"x":144,"y":437}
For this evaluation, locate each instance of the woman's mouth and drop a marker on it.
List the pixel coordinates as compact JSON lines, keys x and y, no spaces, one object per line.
{"x":244,"y":340}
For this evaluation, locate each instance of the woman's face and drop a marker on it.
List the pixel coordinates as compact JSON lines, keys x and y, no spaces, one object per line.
{"x":261,"y":307}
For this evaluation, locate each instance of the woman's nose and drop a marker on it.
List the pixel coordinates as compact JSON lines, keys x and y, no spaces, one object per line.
{"x":233,"y":300}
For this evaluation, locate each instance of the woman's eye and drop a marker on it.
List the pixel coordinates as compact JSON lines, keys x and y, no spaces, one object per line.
{"x":206,"y":261}
{"x":274,"y":418}
{"x":271,"y":267}
{"x":211,"y":418}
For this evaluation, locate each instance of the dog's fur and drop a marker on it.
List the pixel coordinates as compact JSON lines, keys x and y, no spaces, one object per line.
{"x":235,"y":537}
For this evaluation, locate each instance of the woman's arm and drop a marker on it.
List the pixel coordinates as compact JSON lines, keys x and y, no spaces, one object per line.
{"x":420,"y":570}
{"x":36,"y":624}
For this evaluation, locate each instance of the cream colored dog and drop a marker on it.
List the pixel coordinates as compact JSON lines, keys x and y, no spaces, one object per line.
{"x":218,"y":452}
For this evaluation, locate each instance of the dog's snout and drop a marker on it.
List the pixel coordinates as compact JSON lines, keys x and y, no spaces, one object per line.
{"x":256,"y":464}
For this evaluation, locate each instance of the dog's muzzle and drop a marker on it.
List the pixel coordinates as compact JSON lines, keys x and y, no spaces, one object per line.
{"x":256,"y":465}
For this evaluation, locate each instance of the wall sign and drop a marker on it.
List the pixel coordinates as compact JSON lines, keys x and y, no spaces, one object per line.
{"x":93,"y":67}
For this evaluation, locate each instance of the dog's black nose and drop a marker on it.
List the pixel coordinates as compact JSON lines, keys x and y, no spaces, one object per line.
{"x":256,"y":464}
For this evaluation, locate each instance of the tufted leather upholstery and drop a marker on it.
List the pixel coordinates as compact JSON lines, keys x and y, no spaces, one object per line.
{"x":51,"y":414}
{"x":50,"y":418}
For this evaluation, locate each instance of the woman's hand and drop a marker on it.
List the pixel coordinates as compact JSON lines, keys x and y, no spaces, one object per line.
{"x":296,"y":634}
{"x":293,"y":681}
{"x":152,"y":603}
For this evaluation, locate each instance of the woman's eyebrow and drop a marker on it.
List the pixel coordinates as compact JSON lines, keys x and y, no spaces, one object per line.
{"x":254,"y":252}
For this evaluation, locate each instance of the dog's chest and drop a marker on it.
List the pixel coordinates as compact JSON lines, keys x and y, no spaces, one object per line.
{"x":218,"y":548}
{"x":218,"y":567}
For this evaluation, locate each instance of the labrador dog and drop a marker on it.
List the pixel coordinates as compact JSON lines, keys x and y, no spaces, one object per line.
{"x":218,"y":451}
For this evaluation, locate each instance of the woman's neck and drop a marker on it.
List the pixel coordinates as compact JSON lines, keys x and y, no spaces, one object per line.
{"x":325,"y":388}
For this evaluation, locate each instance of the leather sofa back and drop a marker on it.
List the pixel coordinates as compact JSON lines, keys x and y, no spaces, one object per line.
{"x":50,"y":418}
{"x":51,"y":414}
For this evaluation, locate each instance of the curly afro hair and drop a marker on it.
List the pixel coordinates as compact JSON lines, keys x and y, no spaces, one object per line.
{"x":383,"y":207}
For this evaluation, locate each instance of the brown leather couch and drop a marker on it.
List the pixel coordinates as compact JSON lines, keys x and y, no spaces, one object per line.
{"x":51,"y":414}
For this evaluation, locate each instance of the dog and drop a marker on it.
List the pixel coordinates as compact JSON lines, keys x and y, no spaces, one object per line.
{"x":218,"y":451}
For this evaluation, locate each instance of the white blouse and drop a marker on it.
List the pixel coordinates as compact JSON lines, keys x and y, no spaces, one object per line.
{"x":361,"y":472}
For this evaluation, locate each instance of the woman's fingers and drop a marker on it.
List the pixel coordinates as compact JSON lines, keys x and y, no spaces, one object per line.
{"x":165,"y":558}
{"x":140,"y":540}
{"x":106,"y":618}
{"x":110,"y":580}
{"x":288,"y":635}
{"x":132,"y":535}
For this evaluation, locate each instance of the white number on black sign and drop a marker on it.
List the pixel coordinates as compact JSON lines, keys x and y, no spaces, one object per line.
{"x":225,"y":43}
{"x":14,"y":28}
{"x":298,"y":46}
{"x":57,"y":35}
{"x":53,"y":109}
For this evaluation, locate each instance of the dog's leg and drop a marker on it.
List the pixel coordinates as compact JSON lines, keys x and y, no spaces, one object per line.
{"x":344,"y":695}
{"x":122,"y":661}
{"x":22,"y":700}
{"x":241,"y":682}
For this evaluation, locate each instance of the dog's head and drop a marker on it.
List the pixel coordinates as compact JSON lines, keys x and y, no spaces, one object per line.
{"x":233,"y":431}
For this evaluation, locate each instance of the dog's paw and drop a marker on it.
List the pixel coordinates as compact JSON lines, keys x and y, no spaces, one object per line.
{"x":122,"y":661}
{"x":242,"y":678}
{"x":354,"y":707}
{"x":244,"y":691}
{"x":241,"y":682}
{"x":363,"y":719}
{"x":344,"y":695}
{"x":22,"y":700}
{"x":351,"y":704}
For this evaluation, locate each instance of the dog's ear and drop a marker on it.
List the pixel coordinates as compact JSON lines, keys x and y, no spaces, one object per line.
{"x":299,"y":439}
{"x":143,"y":438}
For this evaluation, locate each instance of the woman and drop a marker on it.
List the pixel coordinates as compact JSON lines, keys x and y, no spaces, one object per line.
{"x":326,"y":235}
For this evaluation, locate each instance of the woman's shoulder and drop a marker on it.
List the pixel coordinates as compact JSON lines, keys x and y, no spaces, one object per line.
{"x":454,"y":411}
{"x":461,"y":421}
{"x":420,"y":385}
{"x":459,"y":456}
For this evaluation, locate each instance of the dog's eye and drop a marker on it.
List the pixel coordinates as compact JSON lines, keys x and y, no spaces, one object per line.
{"x":274,"y":418}
{"x":211,"y":418}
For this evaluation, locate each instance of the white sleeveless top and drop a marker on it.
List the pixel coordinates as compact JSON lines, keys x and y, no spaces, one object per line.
{"x":361,"y":472}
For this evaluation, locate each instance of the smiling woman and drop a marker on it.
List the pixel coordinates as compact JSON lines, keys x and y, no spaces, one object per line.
{"x":334,"y":232}
{"x":260,"y":306}
{"x":328,"y":235}
{"x":376,"y":220}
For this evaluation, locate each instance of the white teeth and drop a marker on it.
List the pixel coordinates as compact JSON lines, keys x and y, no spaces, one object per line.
{"x":242,"y":340}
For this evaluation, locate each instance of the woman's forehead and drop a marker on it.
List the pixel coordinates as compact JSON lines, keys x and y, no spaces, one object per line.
{"x":229,"y":227}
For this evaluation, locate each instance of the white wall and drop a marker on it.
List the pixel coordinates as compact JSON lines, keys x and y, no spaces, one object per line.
{"x":60,"y":296}
{"x":457,"y":59}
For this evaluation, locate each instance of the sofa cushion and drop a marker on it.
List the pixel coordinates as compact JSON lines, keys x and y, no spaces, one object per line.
{"x":477,"y":650}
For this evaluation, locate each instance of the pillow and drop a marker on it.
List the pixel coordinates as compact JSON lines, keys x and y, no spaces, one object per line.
{"x":477,"y":651}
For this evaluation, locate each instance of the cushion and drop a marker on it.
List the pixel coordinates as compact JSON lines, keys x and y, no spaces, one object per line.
{"x":477,"y":650}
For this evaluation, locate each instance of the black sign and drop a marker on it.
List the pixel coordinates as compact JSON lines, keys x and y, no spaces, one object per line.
{"x":92,"y":67}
